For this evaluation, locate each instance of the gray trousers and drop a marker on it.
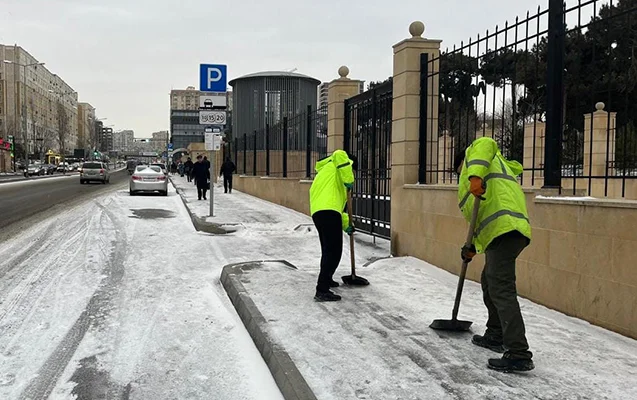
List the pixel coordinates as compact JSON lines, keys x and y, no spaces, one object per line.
{"x":505,"y":321}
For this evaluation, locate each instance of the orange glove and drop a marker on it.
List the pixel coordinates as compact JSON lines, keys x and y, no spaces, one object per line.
{"x":476,"y":188}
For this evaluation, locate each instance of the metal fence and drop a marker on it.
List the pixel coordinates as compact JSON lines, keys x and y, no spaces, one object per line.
{"x":288,"y":149}
{"x":368,"y":123}
{"x":533,"y":86}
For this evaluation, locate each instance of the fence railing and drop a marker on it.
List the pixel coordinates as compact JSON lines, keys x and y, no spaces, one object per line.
{"x":287,"y":149}
{"x":534,"y":86}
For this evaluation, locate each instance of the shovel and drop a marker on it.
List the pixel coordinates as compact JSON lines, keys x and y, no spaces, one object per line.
{"x":352,"y":280}
{"x":454,"y":324}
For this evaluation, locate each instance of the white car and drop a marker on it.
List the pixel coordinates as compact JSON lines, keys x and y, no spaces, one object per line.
{"x":148,"y":179}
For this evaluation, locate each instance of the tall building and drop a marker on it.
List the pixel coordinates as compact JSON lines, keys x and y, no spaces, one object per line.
{"x":159,"y":141}
{"x":85,"y":126}
{"x":323,"y":88}
{"x":185,"y":99}
{"x":37,"y":107}
{"x":123,"y":140}
{"x":106,"y":143}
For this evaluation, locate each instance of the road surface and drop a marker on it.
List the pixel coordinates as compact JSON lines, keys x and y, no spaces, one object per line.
{"x":108,"y":296}
{"x":22,"y":199}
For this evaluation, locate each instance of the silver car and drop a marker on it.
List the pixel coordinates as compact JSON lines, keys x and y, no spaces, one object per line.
{"x":94,"y":171}
{"x":148,"y":179}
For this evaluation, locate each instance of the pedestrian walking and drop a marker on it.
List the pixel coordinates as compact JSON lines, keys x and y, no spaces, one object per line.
{"x":200,"y":174}
{"x":188,"y":166}
{"x":328,"y":199}
{"x":180,"y":168}
{"x":227,"y":169}
{"x":502,"y":232}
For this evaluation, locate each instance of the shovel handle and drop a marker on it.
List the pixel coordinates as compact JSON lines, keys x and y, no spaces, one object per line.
{"x":351,"y":237}
{"x":463,"y":271}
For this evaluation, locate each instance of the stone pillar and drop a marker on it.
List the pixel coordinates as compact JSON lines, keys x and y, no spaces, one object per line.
{"x":445,"y":157}
{"x":534,"y":134}
{"x":599,"y":135}
{"x":339,"y":90}
{"x":406,"y":116}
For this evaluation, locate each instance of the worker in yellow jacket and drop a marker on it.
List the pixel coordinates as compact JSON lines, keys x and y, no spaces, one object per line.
{"x":328,"y":199}
{"x":502,"y":232}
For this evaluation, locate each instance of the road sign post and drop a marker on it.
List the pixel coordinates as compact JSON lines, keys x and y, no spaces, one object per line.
{"x":213,"y":144}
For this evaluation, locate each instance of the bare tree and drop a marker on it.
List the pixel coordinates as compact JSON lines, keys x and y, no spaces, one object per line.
{"x":63,"y":120}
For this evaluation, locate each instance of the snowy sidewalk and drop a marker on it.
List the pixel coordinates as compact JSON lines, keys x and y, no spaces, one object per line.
{"x":376,"y":343}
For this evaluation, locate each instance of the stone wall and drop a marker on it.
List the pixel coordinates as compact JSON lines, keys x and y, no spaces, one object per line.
{"x":579,"y":261}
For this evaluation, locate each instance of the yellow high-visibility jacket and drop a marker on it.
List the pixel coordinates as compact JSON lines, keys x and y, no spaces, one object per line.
{"x":329,"y":190}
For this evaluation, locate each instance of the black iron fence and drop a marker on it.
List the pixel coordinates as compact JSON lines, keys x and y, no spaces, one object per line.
{"x":288,"y":149}
{"x":368,"y":126}
{"x":534,"y":86}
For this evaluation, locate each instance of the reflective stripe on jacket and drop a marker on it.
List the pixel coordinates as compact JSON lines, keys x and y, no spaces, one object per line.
{"x":504,"y":209}
{"x":328,"y":191}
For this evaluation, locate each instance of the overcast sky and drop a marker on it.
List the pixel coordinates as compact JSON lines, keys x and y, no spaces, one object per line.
{"x":124,"y":56}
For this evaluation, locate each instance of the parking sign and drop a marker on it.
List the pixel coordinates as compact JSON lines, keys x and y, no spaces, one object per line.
{"x":213,"y":78}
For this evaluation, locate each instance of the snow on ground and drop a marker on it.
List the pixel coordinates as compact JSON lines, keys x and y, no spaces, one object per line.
{"x":121,"y":297}
{"x":376,"y":343}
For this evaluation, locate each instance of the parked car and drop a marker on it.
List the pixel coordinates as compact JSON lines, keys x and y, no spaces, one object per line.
{"x":94,"y":171}
{"x":63,"y":167}
{"x":148,"y":179}
{"x":49,"y":169}
{"x":35,"y":169}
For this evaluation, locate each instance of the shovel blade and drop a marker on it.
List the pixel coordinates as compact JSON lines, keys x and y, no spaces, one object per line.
{"x":354,"y":280}
{"x":451,"y":325}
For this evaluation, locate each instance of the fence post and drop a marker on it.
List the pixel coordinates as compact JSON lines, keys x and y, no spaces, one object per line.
{"x":555,"y":86}
{"x":308,"y":151}
{"x":245,"y":152}
{"x":267,"y":149}
{"x":347,"y":130}
{"x":254,"y":155}
{"x":285,"y":147}
{"x":339,"y":90}
{"x":374,"y":192}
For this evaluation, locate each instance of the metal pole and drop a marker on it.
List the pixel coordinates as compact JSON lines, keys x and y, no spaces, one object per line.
{"x":555,"y":85}
{"x":245,"y":152}
{"x":308,"y":144}
{"x":254,"y":154}
{"x":212,"y":178}
{"x":267,"y":149}
{"x":285,"y":147}
{"x":424,"y":93}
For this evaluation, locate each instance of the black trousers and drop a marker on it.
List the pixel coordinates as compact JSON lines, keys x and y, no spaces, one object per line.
{"x":201,"y":191}
{"x":329,"y":226}
{"x":189,"y":176}
{"x":227,"y":183}
{"x":500,"y":294}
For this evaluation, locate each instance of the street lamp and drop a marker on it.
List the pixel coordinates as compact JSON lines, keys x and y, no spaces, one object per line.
{"x":24,"y":104}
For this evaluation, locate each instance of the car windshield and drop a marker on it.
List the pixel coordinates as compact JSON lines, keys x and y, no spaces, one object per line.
{"x":92,"y":166}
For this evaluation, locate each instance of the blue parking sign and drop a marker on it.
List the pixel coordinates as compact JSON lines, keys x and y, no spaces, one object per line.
{"x":213,"y":78}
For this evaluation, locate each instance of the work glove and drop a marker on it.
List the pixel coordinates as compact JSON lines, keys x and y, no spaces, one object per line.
{"x":349,"y":186}
{"x":476,"y":187}
{"x":350,"y":230}
{"x":467,"y":253}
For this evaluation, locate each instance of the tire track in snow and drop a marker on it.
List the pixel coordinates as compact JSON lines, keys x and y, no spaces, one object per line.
{"x":32,"y":282}
{"x":25,"y":254}
{"x":46,"y":379}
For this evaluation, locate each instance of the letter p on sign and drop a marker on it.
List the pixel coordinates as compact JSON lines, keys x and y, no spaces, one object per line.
{"x":213,"y":78}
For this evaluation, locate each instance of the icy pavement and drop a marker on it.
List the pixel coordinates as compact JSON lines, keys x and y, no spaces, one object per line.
{"x":376,"y":343}
{"x":119,"y":298}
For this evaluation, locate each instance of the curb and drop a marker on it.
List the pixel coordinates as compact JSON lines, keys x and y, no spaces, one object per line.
{"x":285,"y":373}
{"x":199,"y":223}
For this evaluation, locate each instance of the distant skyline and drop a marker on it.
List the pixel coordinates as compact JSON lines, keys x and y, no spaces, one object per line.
{"x":124,"y":57}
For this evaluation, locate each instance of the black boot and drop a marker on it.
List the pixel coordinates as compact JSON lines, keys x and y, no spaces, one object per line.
{"x":334,"y":284}
{"x":488,"y":342}
{"x":508,"y":363}
{"x":326,"y":296}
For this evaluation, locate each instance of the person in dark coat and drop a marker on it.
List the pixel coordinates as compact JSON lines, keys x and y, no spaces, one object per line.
{"x":200,"y":174}
{"x":188,"y":165}
{"x":227,"y":168}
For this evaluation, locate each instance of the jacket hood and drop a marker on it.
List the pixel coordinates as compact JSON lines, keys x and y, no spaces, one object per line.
{"x":320,"y":164}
